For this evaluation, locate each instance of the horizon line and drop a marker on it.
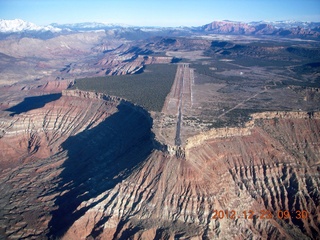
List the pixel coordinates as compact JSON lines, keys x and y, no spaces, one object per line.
{"x":158,"y":26}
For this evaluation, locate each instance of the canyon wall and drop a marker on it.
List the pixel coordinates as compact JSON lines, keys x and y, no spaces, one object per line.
{"x":237,"y":131}
{"x":65,"y":152}
{"x":267,"y":172}
{"x":86,"y":166}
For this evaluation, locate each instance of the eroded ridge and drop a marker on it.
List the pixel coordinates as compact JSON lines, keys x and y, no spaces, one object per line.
{"x":274,"y":168}
{"x":71,"y":150}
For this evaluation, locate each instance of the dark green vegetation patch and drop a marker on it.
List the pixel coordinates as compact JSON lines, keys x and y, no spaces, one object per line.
{"x":148,"y":89}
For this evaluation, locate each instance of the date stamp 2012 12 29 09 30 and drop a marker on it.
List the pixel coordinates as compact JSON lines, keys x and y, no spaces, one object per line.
{"x":262,"y":214}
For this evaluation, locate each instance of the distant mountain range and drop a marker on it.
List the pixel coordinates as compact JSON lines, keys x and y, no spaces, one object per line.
{"x":18,"y":25}
{"x":278,"y":28}
{"x":89,"y":26}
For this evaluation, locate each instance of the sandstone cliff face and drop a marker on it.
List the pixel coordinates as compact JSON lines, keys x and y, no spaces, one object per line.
{"x":104,"y":179}
{"x":256,"y":117}
{"x":40,"y":132}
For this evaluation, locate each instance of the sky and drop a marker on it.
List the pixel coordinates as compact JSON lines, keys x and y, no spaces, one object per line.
{"x":158,"y":12}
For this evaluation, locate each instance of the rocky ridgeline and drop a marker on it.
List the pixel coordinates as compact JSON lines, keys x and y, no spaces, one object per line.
{"x":227,"y":132}
{"x":39,"y":132}
{"x":168,"y":198}
{"x":108,"y":99}
{"x":50,"y":118}
{"x":237,"y":131}
{"x":90,"y":95}
{"x":286,"y":115}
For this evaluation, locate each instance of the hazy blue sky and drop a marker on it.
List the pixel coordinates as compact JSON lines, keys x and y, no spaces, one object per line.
{"x":158,"y":12}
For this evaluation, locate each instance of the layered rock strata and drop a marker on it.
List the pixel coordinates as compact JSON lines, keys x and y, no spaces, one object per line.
{"x":86,"y":166}
{"x":238,"y":131}
{"x":70,"y":150}
{"x":272,"y":170}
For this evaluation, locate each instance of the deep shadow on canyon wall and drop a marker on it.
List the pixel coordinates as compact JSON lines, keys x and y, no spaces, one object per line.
{"x":98,"y":159}
{"x":31,"y":103}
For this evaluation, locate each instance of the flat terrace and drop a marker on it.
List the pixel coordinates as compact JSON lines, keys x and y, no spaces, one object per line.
{"x":148,"y":89}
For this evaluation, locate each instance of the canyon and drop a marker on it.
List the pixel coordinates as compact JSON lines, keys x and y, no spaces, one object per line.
{"x":125,"y":183}
{"x":233,"y":153}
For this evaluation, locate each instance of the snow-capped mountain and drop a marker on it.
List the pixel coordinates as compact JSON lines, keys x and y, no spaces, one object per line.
{"x":18,"y":25}
{"x":89,"y":26}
